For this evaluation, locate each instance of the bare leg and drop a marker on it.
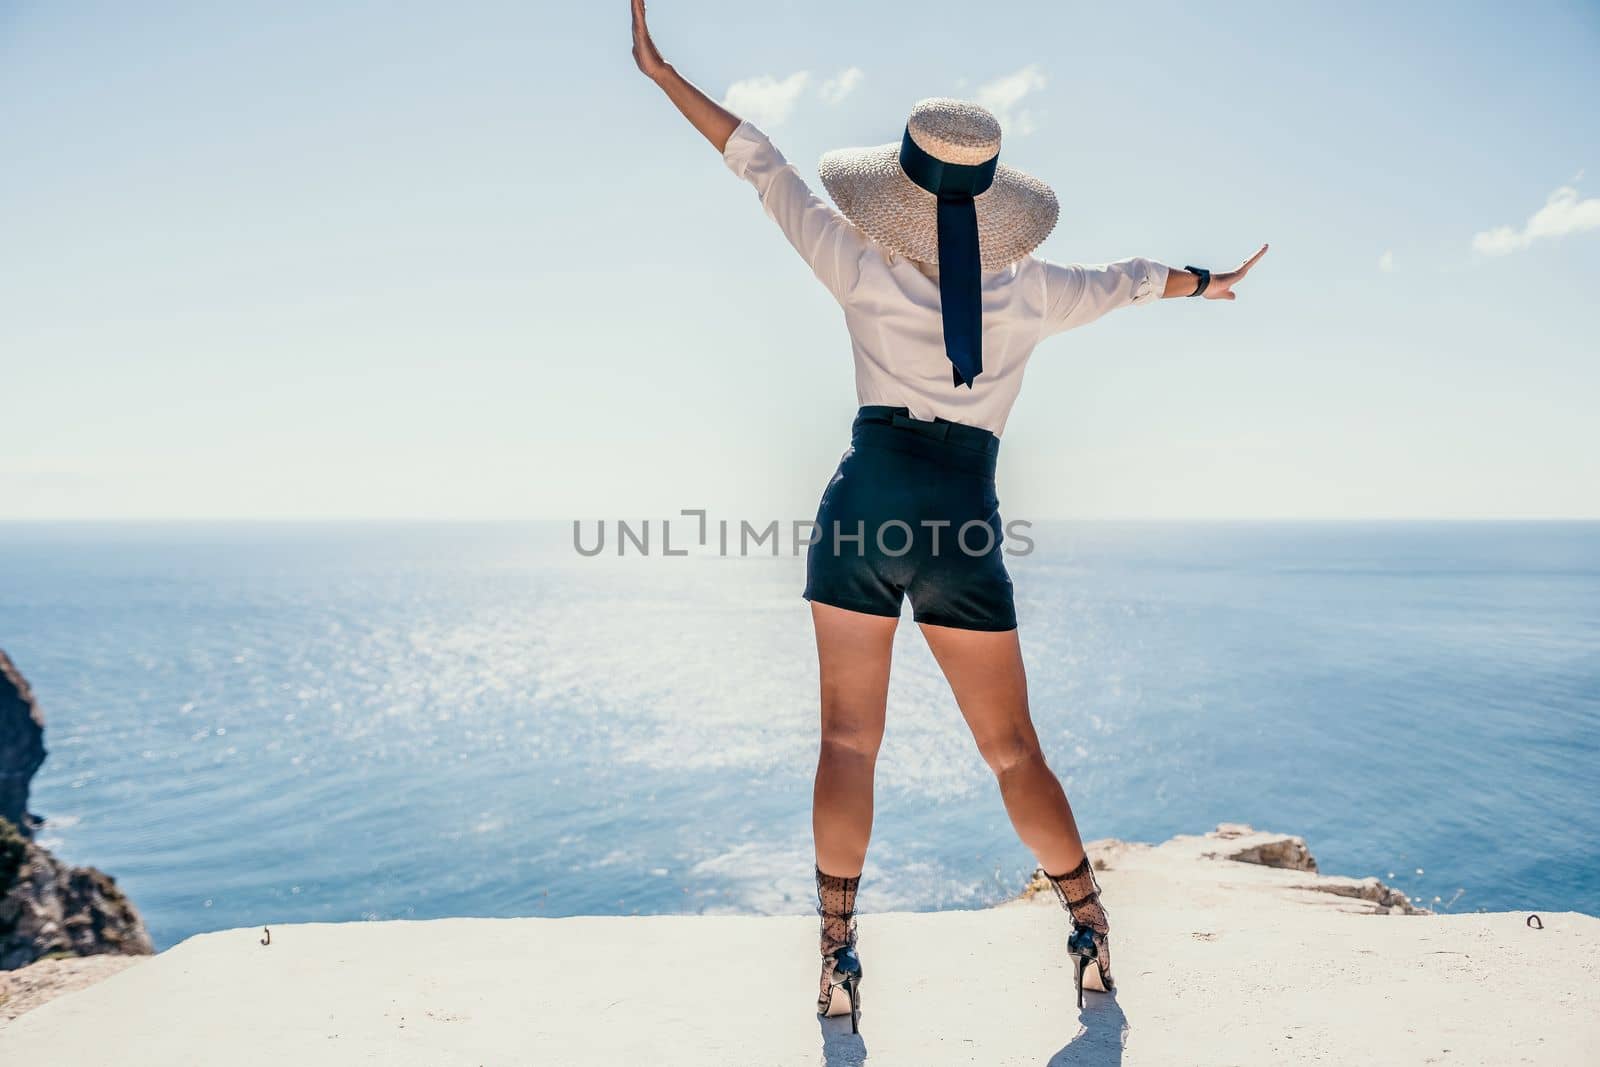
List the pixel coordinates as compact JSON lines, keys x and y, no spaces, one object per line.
{"x":986,"y":674}
{"x":853,"y":653}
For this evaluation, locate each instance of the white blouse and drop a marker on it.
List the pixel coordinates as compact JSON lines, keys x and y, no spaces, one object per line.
{"x":891,"y":304}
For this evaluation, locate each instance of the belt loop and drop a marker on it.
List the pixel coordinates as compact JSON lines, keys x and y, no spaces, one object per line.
{"x":939,"y":429}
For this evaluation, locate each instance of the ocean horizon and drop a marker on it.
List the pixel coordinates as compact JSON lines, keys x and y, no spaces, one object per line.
{"x":267,"y":722}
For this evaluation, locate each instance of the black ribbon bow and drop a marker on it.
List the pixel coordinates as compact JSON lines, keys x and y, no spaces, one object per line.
{"x":960,"y":277}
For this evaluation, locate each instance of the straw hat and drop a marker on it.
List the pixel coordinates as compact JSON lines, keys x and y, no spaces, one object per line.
{"x":873,"y":191}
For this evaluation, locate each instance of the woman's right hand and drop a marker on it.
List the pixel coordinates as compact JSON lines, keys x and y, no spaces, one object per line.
{"x":651,"y":65}
{"x":715,"y":122}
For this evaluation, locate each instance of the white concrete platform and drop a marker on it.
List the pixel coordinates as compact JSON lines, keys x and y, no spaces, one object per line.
{"x":1218,"y":963}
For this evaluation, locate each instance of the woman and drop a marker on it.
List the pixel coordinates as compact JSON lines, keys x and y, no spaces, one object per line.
{"x":929,"y":255}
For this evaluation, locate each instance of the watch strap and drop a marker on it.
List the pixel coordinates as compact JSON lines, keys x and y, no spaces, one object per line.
{"x":1205,"y":279}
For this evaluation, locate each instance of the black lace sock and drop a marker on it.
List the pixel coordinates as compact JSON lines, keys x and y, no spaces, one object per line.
{"x":1080,"y":895}
{"x":836,"y":903}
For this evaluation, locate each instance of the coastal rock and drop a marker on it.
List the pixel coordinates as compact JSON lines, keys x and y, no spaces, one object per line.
{"x":46,"y":907}
{"x":1385,"y":899}
{"x":1245,"y":844}
{"x":21,"y":744}
{"x":49,"y":908}
{"x":1238,"y":843}
{"x":1248,"y":845}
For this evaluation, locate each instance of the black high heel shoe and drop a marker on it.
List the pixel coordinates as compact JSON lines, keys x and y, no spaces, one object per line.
{"x":846,"y":976}
{"x":1090,"y":943}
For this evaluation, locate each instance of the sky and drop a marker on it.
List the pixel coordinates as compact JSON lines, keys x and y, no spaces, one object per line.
{"x":336,"y":260}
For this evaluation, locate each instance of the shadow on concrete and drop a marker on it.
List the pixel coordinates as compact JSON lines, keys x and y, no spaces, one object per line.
{"x":1102,"y":1039}
{"x":841,"y":1048}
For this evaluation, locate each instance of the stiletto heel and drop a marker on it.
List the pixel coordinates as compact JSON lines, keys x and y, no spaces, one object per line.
{"x":845,"y":976}
{"x":1084,"y":946}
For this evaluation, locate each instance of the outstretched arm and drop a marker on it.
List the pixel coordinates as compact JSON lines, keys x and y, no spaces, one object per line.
{"x":1182,"y":282}
{"x":1077,"y":295}
{"x":713,"y":120}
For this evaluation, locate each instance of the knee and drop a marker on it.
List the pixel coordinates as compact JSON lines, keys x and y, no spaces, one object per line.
{"x":1009,"y":751}
{"x":850,"y":735}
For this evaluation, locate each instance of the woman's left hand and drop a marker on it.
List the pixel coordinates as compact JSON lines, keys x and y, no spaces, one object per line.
{"x":1222,"y":283}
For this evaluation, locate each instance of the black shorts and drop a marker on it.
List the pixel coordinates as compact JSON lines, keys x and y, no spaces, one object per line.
{"x":912,"y":511}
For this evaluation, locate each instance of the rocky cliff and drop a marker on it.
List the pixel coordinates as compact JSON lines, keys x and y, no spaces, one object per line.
{"x":47,"y":907}
{"x":21,"y":744}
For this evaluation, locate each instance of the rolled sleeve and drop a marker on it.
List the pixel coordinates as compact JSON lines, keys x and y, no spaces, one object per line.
{"x":1076,"y":295}
{"x":744,"y":145}
{"x":825,"y":239}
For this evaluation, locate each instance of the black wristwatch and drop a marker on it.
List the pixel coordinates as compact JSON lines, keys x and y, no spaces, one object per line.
{"x":1205,"y":279}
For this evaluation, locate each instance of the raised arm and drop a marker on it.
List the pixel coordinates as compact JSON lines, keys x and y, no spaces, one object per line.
{"x":825,"y":239}
{"x":713,"y":120}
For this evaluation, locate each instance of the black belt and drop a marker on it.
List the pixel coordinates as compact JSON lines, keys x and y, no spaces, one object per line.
{"x":956,"y":433}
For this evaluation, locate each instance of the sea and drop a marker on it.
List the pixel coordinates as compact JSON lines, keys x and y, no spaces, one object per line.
{"x":260,"y":723}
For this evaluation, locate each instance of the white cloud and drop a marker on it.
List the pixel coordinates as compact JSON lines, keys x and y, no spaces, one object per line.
{"x":1005,"y":96}
{"x":1386,"y":262}
{"x":766,"y":101}
{"x":841,"y":85}
{"x":1562,"y":214}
